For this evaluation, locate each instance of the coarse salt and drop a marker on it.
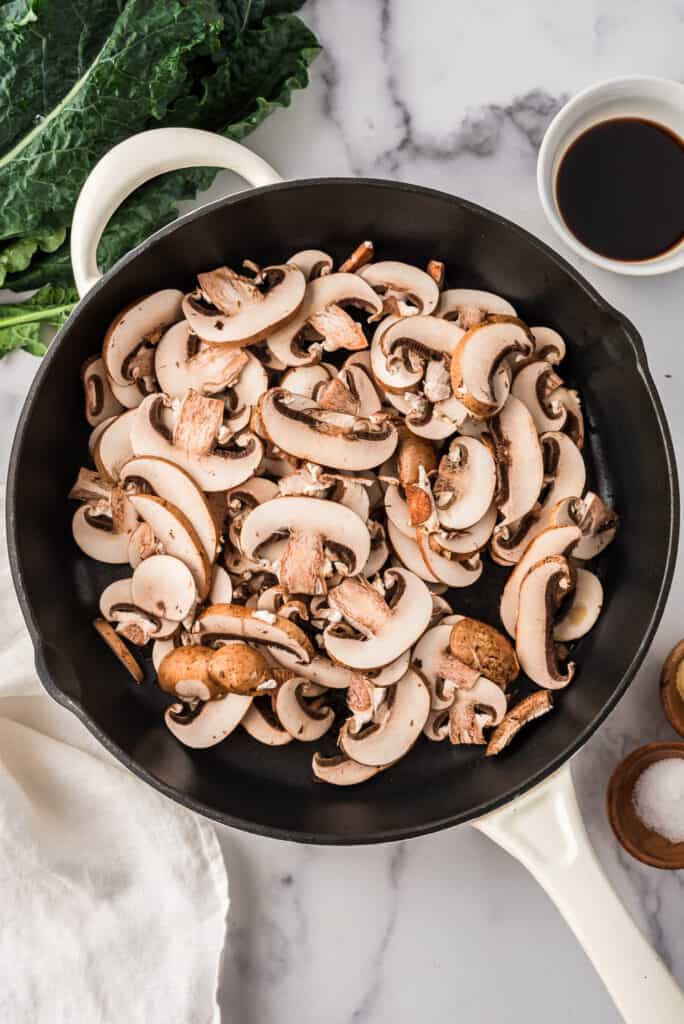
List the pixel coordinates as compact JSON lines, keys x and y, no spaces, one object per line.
{"x":659,"y":798}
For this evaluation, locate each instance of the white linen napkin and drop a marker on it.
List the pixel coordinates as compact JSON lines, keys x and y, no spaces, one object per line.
{"x":112,"y":899}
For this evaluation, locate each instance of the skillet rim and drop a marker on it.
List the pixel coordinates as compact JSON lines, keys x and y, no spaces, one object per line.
{"x":384,"y":835}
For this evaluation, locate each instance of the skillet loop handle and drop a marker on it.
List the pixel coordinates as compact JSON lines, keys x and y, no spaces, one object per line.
{"x":137,"y":160}
{"x":545,"y":832}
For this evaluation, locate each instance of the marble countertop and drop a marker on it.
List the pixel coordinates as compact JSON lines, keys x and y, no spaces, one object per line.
{"x":454,"y":96}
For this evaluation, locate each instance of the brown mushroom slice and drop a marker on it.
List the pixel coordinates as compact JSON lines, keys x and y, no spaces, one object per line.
{"x":534,"y":706}
{"x":305,"y":380}
{"x":472,"y":711}
{"x":542,"y":591}
{"x":177,"y":536}
{"x":221,"y":470}
{"x":118,"y":605}
{"x":223,"y":622}
{"x":209,"y":723}
{"x":182,"y":361}
{"x":391,"y":632}
{"x":479,"y":375}
{"x":334,"y":439}
{"x":95,"y":535}
{"x":113,"y":447}
{"x":451,"y":571}
{"x":408,"y":706}
{"x":362,"y":254}
{"x":465,"y":484}
{"x":119,"y":649}
{"x":597,"y":521}
{"x":128,"y":349}
{"x":548,"y":345}
{"x":536,"y":386}
{"x":413,"y":289}
{"x":246,"y":314}
{"x":100,"y":403}
{"x":333,"y":290}
{"x":468,"y":306}
{"x":585,"y":607}
{"x":483,"y":648}
{"x":520,"y":465}
{"x":262,"y":724}
{"x":170,"y":482}
{"x":164,"y":586}
{"x":313,"y":263}
{"x":414,"y":456}
{"x":409,"y":554}
{"x":342,"y":771}
{"x":554,"y":540}
{"x":184,"y":672}
{"x":305,"y":719}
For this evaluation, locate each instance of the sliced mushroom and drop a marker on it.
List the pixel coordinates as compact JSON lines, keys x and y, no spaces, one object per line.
{"x":182,"y":361}
{"x":305,"y":380}
{"x":554,"y":540}
{"x":91,"y":487}
{"x":465,"y":544}
{"x":95,"y":535}
{"x":313,"y":263}
{"x":548,"y":345}
{"x":142,"y":544}
{"x":221,"y":591}
{"x":403,"y":351}
{"x":542,"y":591}
{"x":305,"y":719}
{"x":177,"y":536}
{"x":483,"y":706}
{"x":520,"y":466}
{"x":479,"y":375}
{"x":595,"y":518}
{"x":358,"y":382}
{"x":335,"y":439}
{"x":465,"y":484}
{"x":406,"y":288}
{"x":128,"y":349}
{"x":100,"y":403}
{"x":220,"y":623}
{"x":447,"y":569}
{"x":97,"y":432}
{"x":569,"y":399}
{"x":409,"y":554}
{"x":432,"y":659}
{"x":342,"y":771}
{"x":584,"y":610}
{"x":151,"y":474}
{"x":381,"y":743}
{"x":536,"y":386}
{"x":484,"y":649}
{"x":336,"y":291}
{"x":119,"y":649}
{"x":118,"y":605}
{"x":390,"y":631}
{"x":261,"y":722}
{"x":534,"y":706}
{"x":209,"y":723}
{"x":113,"y":447}
{"x":229,"y":308}
{"x":362,"y":254}
{"x":221,"y":470}
{"x":164,"y":586}
{"x":413,"y":456}
{"x":469,"y":307}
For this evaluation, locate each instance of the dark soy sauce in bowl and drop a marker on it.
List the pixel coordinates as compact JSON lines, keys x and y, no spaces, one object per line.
{"x":620,"y":189}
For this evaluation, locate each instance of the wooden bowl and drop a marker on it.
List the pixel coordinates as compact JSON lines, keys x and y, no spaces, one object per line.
{"x":669,"y":694}
{"x":647,"y":846}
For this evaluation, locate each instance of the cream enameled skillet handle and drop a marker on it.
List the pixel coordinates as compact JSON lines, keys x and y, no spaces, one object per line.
{"x":135,"y":161}
{"x":545,"y":832}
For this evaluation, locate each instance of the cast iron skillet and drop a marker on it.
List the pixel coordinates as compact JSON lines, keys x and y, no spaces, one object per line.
{"x":270,"y":791}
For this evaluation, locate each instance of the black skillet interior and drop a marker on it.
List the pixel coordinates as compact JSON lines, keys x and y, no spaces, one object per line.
{"x":630,"y":460}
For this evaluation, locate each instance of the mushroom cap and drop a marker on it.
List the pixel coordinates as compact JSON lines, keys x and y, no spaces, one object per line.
{"x":305,"y":721}
{"x":239,"y":668}
{"x":479,"y":375}
{"x":541,"y":592}
{"x":585,"y":607}
{"x":139,"y":322}
{"x":519,"y":461}
{"x":164,"y":585}
{"x":184,"y":672}
{"x":95,"y":536}
{"x":220,"y":622}
{"x":409,"y":618}
{"x":396,"y":278}
{"x":383,"y":743}
{"x":210,"y":723}
{"x":342,"y":771}
{"x":177,"y":536}
{"x":480,"y":646}
{"x":554,"y":540}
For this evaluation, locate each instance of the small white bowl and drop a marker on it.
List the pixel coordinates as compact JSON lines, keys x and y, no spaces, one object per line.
{"x":654,"y":99}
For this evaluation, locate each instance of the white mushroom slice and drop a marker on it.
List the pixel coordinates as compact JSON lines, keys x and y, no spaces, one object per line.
{"x":141,"y":544}
{"x":335,"y":439}
{"x":584,"y":610}
{"x":221,"y":591}
{"x":319,"y":670}
{"x":409,"y":554}
{"x":430,"y":658}
{"x":520,"y":465}
{"x":164,"y":586}
{"x":479,"y":375}
{"x":333,"y":291}
{"x":130,"y":396}
{"x":221,"y":622}
{"x":465,"y":484}
{"x":401,"y":352}
{"x":113,"y":447}
{"x":555,"y":540}
{"x":408,"y":616}
{"x":413,"y":289}
{"x":128,"y":349}
{"x":342,"y":771}
{"x":97,"y":433}
{"x":262,"y":724}
{"x":313,"y":263}
{"x":246,"y":314}
{"x":469,"y":307}
{"x":340,"y":528}
{"x":536,"y":385}
{"x":305,"y":380}
{"x":94,"y":533}
{"x":379,"y":552}
{"x":483,"y":706}
{"x":100,"y":403}
{"x":209,"y":723}
{"x":463,"y":544}
{"x":398,"y":512}
{"x":257,"y":488}
{"x":436,"y":727}
{"x":548,"y":345}
{"x":177,"y":535}
{"x":221,"y":470}
{"x":305,"y":720}
{"x":385,"y":742}
{"x":182,"y":361}
{"x":358,"y":381}
{"x":445,"y":569}
{"x":138,"y":625}
{"x":597,"y":521}
{"x":569,"y":399}
{"x":160,"y":648}
{"x":546,"y":585}
{"x":167,"y":480}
